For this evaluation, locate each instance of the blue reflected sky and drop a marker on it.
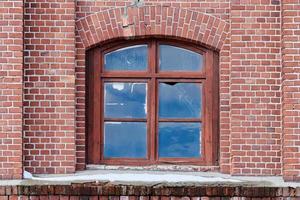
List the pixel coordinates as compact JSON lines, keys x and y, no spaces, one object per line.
{"x":133,"y":58}
{"x":178,"y":59}
{"x":125,"y":140}
{"x":125,"y":100}
{"x":182,"y":140}
{"x":180,"y":100}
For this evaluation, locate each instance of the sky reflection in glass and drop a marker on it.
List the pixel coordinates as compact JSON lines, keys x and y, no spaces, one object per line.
{"x":125,"y":100}
{"x":125,"y":140}
{"x":133,"y":58}
{"x":179,"y":100}
{"x":182,"y":140}
{"x":178,"y":59}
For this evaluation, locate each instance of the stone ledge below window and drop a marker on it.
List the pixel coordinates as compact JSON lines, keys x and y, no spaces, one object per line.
{"x":111,"y":184}
{"x":104,"y":190}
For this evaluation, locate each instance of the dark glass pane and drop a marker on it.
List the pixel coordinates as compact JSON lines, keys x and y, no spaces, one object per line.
{"x":125,"y":100}
{"x":178,"y":59}
{"x":180,"y":140}
{"x":133,"y":58}
{"x":125,"y":140}
{"x":179,"y":100}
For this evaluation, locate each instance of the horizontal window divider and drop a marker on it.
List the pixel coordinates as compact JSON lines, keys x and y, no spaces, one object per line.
{"x":127,"y":158}
{"x":130,"y":73}
{"x":180,"y":73}
{"x":124,"y":120}
{"x":180,"y":80}
{"x":148,"y":76}
{"x":179,"y":120}
{"x":125,"y":80}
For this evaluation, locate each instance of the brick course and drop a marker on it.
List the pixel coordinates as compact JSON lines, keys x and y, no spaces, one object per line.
{"x":44,"y":117}
{"x":291,"y":88}
{"x":11,"y":78}
{"x":100,"y":191}
{"x":49,"y":86}
{"x":255,"y":89}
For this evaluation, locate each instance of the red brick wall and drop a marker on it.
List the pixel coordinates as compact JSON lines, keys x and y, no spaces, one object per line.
{"x":49,"y":86}
{"x":259,"y":79}
{"x":291,"y":88}
{"x":255,"y":90}
{"x":11,"y":66}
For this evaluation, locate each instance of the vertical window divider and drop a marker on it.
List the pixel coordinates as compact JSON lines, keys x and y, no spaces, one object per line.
{"x":155,"y":92}
{"x":208,"y":148}
{"x":101,"y":134}
{"x":152,"y":104}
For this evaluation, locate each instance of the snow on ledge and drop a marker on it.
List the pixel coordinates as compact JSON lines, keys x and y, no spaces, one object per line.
{"x":138,"y":177}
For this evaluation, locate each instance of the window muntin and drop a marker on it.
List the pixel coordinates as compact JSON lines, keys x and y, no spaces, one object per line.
{"x":199,"y":123}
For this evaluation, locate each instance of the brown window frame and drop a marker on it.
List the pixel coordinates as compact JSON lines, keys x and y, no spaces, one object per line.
{"x":208,"y":76}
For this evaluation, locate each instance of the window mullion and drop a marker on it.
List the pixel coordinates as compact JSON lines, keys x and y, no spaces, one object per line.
{"x":152,"y":104}
{"x":152,"y":120}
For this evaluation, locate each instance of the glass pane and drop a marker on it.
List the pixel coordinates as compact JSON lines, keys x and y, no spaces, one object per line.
{"x":180,"y":100}
{"x":178,"y":59}
{"x":125,"y":100}
{"x":133,"y":58}
{"x":181,"y":140}
{"x":125,"y":140}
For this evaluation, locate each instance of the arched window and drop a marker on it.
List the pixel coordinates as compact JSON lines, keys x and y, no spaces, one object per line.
{"x":152,"y":102}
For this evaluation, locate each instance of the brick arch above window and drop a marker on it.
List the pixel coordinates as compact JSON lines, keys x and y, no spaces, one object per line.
{"x":134,"y":22}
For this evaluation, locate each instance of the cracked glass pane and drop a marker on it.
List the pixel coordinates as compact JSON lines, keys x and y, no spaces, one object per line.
{"x":179,"y":100}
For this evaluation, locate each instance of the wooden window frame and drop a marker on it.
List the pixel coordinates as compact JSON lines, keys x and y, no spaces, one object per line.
{"x":96,"y":76}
